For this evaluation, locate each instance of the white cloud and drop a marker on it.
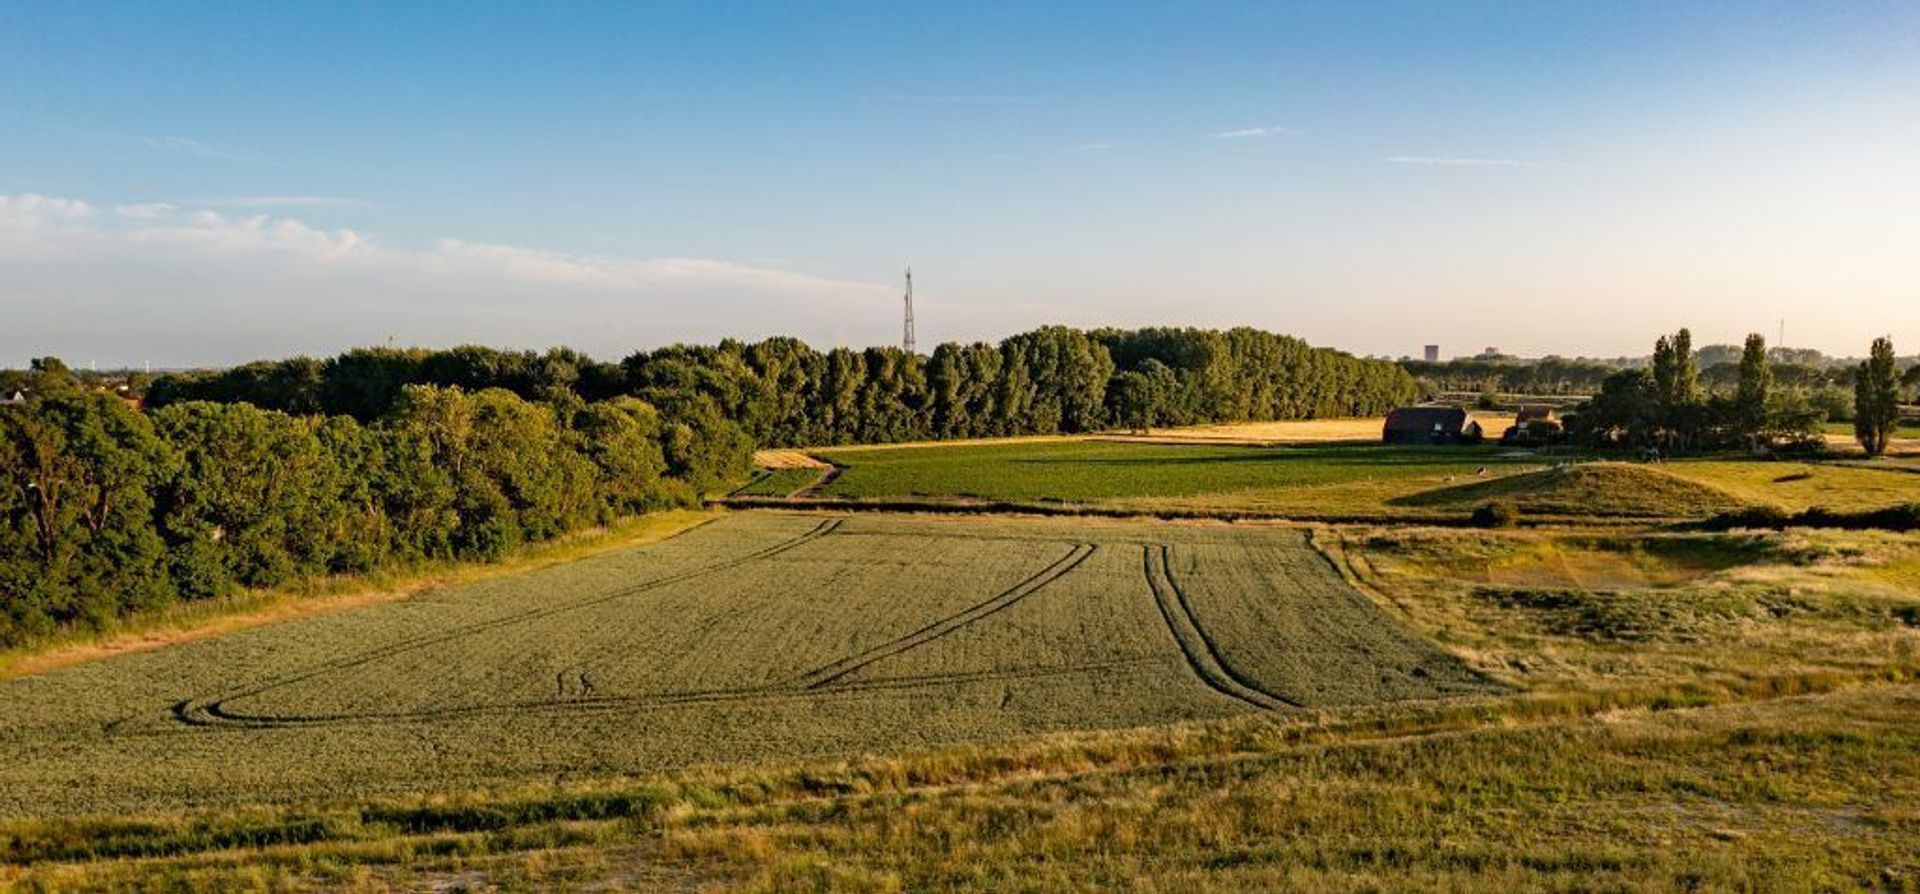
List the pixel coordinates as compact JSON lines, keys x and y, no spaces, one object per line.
{"x":1456,"y":161}
{"x":194,"y":285}
{"x":146,"y":210}
{"x":1267,"y":130}
{"x":33,"y":208}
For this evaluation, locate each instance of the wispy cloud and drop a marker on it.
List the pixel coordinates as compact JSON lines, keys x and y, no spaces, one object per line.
{"x":1265,"y":130}
{"x":283,"y":202}
{"x":198,"y":149}
{"x":1458,"y":161}
{"x":278,"y":280}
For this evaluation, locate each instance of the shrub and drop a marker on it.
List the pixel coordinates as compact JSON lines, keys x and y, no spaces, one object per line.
{"x":1497,"y":514}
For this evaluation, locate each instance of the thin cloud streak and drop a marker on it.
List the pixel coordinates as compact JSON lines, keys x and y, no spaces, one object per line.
{"x":1447,"y":161}
{"x":952,"y":99}
{"x":1265,"y":130}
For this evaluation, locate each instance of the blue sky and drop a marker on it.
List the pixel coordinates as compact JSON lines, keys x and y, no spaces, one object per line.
{"x":207,"y":183}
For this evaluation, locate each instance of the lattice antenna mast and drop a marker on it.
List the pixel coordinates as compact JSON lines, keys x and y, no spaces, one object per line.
{"x":906,"y":328}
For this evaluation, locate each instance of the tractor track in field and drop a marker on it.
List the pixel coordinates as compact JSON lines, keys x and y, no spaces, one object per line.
{"x":823,"y":681}
{"x":1202,"y":654}
{"x":210,"y":710}
{"x":222,"y":719}
{"x":827,"y":674}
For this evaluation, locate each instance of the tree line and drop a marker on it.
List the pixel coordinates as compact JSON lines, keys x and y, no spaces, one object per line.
{"x":281,"y":470}
{"x":783,"y":392}
{"x":1826,"y":382}
{"x":106,"y":510}
{"x":1671,"y":406}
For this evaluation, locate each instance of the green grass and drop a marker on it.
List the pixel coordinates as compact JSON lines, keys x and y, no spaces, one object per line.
{"x":1089,"y":471}
{"x":778,"y":482}
{"x":762,"y":636}
{"x":1351,"y":481}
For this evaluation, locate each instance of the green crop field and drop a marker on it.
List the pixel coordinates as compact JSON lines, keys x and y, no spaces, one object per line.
{"x":1353,"y":481}
{"x":1092,"y":470}
{"x":757,"y":637}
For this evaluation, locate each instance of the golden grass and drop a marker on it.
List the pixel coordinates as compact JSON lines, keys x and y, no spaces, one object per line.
{"x":1301,"y":431}
{"x":1584,"y":611}
{"x":1795,"y":486}
{"x":187,"y":622}
{"x":786,"y":459}
{"x":1784,"y":782}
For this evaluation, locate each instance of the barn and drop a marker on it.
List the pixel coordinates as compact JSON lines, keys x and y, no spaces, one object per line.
{"x":1431,"y":425}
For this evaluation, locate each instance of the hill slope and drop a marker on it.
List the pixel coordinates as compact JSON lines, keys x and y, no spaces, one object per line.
{"x":1610,"y":489}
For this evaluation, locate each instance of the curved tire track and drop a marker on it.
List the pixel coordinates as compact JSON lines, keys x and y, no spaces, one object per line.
{"x":1203,"y":656}
{"x":212,"y":710}
{"x":827,"y":674}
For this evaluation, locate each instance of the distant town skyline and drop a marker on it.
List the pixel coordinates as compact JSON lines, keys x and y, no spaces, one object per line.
{"x":209,"y":184}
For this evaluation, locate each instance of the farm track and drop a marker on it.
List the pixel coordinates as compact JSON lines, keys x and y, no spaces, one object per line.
{"x":209,"y":711}
{"x":1202,"y":654}
{"x":827,"y":674}
{"x":620,"y":704}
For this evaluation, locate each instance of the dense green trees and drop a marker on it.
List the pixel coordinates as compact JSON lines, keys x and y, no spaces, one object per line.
{"x":782,"y":392}
{"x":1667,"y":407}
{"x":106,"y":510}
{"x":1876,"y":398}
{"x":1750,"y":400}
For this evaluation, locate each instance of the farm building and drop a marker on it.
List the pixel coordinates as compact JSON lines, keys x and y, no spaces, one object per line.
{"x":16,"y":398}
{"x":1431,"y":425}
{"x":1534,"y":425}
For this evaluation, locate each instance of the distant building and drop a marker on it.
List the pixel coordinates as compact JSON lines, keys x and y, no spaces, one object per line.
{"x":1430,"y":425}
{"x":1491,"y":353}
{"x":1433,"y":353}
{"x":15,"y":398}
{"x":1534,"y":425}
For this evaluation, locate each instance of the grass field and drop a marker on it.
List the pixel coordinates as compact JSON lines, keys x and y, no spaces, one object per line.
{"x":802,"y":702}
{"x":1352,"y":481}
{"x":1095,"y":471}
{"x":760,"y":637}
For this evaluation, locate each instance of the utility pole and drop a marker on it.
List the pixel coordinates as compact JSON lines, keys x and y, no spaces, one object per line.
{"x":906,"y":329}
